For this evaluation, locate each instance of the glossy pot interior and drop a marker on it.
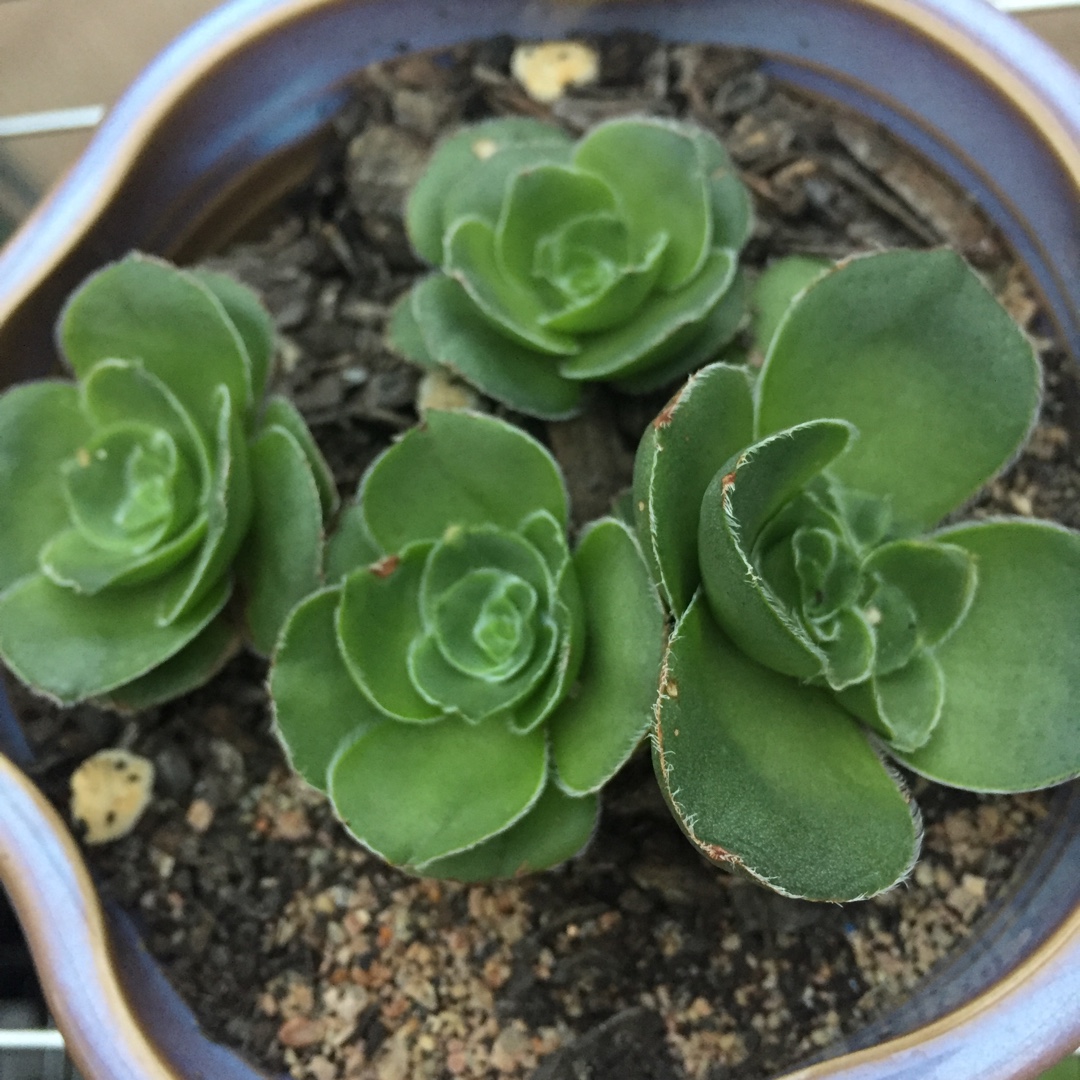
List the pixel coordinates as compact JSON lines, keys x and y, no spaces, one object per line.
{"x":228,"y":118}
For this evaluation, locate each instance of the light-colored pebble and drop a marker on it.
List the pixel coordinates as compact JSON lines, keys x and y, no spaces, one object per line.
{"x":109,"y":792}
{"x":547,"y":69}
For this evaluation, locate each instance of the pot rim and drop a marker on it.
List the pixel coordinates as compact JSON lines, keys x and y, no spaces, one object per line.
{"x":88,"y":997}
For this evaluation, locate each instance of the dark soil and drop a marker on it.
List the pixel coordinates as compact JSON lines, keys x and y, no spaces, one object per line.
{"x":636,"y":961}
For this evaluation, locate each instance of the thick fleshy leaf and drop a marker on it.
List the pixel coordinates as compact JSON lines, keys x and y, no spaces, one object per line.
{"x":404,"y":334}
{"x":465,"y":695}
{"x":707,"y":422}
{"x":694,"y":345}
{"x":458,"y":468}
{"x":128,"y":488}
{"x":120,"y":392}
{"x":280,"y":411}
{"x":939,"y":581}
{"x":894,"y":343}
{"x":548,"y":538}
{"x":539,"y":202}
{"x":460,"y":338}
{"x":377,"y":622}
{"x":414,"y":794}
{"x":251,"y":320}
{"x":905,"y":705}
{"x":192,"y":666}
{"x":317,"y":706}
{"x":428,"y":214}
{"x":554,"y":830}
{"x":281,"y":557}
{"x":350,"y":545}
{"x":227,"y":504}
{"x":1011,"y":719}
{"x":654,"y":168}
{"x":74,"y":647}
{"x":569,"y":617}
{"x":735,"y":508}
{"x":484,"y":624}
{"x":619,"y":298}
{"x":595,"y":730}
{"x":41,"y":427}
{"x":732,"y":210}
{"x":144,"y":310}
{"x":665,"y":324}
{"x":849,"y":656}
{"x":516,"y":308}
{"x":69,"y":559}
{"x":775,"y":290}
{"x":461,"y":550}
{"x":773,"y":777}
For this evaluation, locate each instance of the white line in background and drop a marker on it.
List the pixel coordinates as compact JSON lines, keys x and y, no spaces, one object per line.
{"x":39,"y":123}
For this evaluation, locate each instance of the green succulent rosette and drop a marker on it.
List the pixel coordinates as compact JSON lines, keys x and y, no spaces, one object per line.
{"x":139,"y":496}
{"x":824,"y":618}
{"x":610,"y":259}
{"x":467,"y":684}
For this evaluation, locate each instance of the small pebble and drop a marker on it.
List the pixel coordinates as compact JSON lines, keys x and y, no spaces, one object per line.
{"x":109,"y":792}
{"x":546,"y":70}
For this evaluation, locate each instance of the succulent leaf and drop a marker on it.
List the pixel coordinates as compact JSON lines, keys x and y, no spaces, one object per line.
{"x":281,"y":559}
{"x":487,"y":153}
{"x":707,"y":422}
{"x":141,"y":485}
{"x":386,"y":596}
{"x":460,"y":469}
{"x":317,"y":705}
{"x":773,"y":778}
{"x":894,"y":343}
{"x":72,"y":647}
{"x":131,"y":311}
{"x":203,"y":657}
{"x":556,"y":828}
{"x":610,"y":259}
{"x":251,"y":321}
{"x":414,"y":794}
{"x":737,"y":505}
{"x":41,"y":427}
{"x":809,"y":570}
{"x":656,"y":173}
{"x":350,"y":545}
{"x":594,"y":731}
{"x":663,"y":326}
{"x":472,"y":650}
{"x":511,"y":306}
{"x":282,"y":413}
{"x":1012,"y":675}
{"x":459,"y":337}
{"x":775,"y":292}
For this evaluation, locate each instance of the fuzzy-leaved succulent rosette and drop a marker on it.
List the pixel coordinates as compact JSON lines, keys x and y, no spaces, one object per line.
{"x":613,"y":258}
{"x":467,"y":684}
{"x":825,"y":618}
{"x":137,"y":497}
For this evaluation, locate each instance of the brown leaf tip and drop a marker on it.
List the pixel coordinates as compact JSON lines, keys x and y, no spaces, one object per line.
{"x":385,"y":567}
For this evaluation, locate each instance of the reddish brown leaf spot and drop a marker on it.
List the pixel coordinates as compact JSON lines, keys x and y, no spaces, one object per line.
{"x":385,"y":567}
{"x":718,"y":854}
{"x":668,"y":411}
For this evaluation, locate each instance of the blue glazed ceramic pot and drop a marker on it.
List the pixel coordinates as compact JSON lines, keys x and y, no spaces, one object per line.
{"x":228,"y":118}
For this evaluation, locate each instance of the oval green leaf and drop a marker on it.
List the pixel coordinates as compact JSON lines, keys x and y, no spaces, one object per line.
{"x":414,"y":794}
{"x":772,"y":777}
{"x":1011,"y":718}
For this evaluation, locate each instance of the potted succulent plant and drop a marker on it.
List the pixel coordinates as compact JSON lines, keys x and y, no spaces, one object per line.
{"x":172,"y":171}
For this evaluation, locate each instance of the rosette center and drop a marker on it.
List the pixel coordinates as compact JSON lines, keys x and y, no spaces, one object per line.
{"x":129,"y":488}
